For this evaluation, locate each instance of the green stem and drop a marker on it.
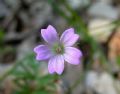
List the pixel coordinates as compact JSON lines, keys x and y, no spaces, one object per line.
{"x":14,"y":67}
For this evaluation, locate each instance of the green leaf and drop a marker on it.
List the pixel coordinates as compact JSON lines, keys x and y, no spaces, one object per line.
{"x":46,"y":80}
{"x":118,"y":60}
{"x":41,"y":92}
{"x":2,"y":33}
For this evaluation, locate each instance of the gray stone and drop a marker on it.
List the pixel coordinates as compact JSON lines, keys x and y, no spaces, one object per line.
{"x":73,"y":73}
{"x":105,"y":1}
{"x":100,"y":29}
{"x":5,"y":68}
{"x":100,"y":9}
{"x":29,"y":1}
{"x":24,"y":16}
{"x":76,"y":4}
{"x":40,"y":12}
{"x":26,"y":47}
{"x":13,"y":4}
{"x":4,"y":11}
{"x":102,"y":83}
{"x":117,"y":84}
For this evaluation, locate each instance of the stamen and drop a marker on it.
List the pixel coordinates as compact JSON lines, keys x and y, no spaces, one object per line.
{"x":58,"y":49}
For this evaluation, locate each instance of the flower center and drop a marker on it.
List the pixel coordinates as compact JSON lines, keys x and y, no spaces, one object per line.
{"x":58,"y":48}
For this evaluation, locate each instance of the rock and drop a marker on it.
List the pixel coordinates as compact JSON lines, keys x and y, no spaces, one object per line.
{"x":26,"y":47}
{"x":103,"y":10}
{"x":117,"y":82}
{"x":5,"y":68}
{"x":102,"y":83}
{"x":100,"y":29}
{"x":105,"y":1}
{"x":4,"y":11}
{"x":29,"y":1}
{"x":71,"y":77}
{"x":24,"y":16}
{"x":60,"y":24}
{"x":71,"y":73}
{"x":76,"y":4}
{"x":13,"y":4}
{"x":41,"y":12}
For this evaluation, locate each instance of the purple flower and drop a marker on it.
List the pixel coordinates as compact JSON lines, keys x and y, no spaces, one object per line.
{"x":56,"y":50}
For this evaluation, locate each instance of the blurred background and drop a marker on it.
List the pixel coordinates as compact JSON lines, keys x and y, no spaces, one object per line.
{"x":96,"y":21}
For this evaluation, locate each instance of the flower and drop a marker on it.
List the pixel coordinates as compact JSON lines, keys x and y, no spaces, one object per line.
{"x":56,"y":51}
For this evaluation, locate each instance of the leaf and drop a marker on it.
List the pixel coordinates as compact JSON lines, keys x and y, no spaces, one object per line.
{"x":47,"y":80}
{"x":41,"y":92}
{"x":2,"y":33}
{"x":118,"y":60}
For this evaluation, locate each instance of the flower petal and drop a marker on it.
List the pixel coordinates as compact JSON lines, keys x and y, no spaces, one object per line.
{"x":43,"y":52}
{"x":72,"y":55}
{"x":59,"y":67}
{"x":72,"y":41}
{"x":73,"y":51}
{"x":56,"y":64}
{"x":51,"y":63}
{"x":68,"y":38}
{"x":67,"y":34}
{"x":49,"y":34}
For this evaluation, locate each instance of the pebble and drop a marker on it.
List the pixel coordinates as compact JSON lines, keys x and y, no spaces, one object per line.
{"x":77,"y":4}
{"x":100,"y":29}
{"x":103,"y":10}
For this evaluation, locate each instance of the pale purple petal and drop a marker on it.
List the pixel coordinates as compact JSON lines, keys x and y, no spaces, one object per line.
{"x":72,"y":55}
{"x":49,"y":34}
{"x":56,"y":64}
{"x":67,"y":34}
{"x":59,"y":66}
{"x":73,"y":51}
{"x":43,"y":52}
{"x":51,"y":64}
{"x":68,"y":38}
{"x":72,"y":41}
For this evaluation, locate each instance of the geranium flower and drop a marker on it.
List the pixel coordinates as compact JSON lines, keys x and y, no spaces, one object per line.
{"x":56,"y":51}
